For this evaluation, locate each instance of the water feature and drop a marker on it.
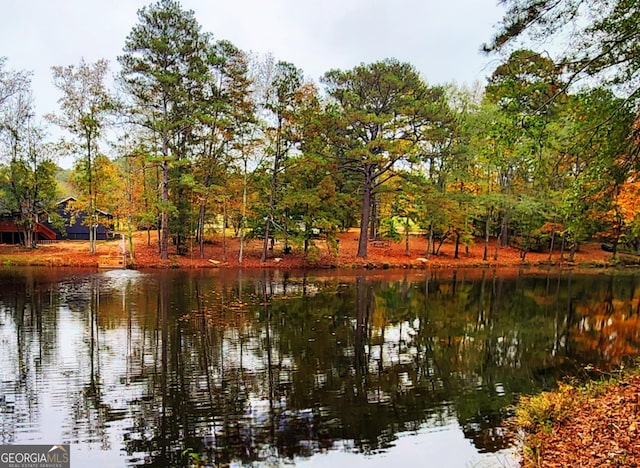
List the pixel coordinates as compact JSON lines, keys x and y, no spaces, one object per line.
{"x":274,"y":368}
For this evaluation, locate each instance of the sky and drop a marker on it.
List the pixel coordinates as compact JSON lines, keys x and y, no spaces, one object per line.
{"x":441,"y":38}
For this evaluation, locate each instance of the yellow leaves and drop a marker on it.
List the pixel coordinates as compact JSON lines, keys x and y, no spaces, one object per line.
{"x":627,"y":201}
{"x":379,"y":318}
{"x":538,"y":412}
{"x":472,"y":188}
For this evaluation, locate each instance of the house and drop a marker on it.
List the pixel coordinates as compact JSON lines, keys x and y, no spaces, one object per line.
{"x":75,"y":227}
{"x":11,"y":233}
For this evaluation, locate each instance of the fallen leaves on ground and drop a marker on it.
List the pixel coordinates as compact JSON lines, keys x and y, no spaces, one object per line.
{"x":601,"y":431}
{"x":221,"y":253}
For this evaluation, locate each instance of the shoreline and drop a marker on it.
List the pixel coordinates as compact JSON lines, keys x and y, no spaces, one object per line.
{"x":34,"y":260}
{"x":223,"y":254}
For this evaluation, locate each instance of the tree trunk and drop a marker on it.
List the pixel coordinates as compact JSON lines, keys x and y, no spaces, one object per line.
{"x":572,"y":251}
{"x":200,"y":230}
{"x":127,"y":245}
{"x":272,"y":195}
{"x":374,"y":216}
{"x":29,"y":237}
{"x":498,"y":243}
{"x":553,"y":238}
{"x":164,"y":183}
{"x":365,"y":215}
{"x":224,"y":229}
{"x":92,"y":234}
{"x":430,"y":241}
{"x":524,"y":248}
{"x":504,"y":230}
{"x":265,"y":243}
{"x":244,"y":211}
{"x":616,"y":239}
{"x":442,"y":239}
{"x":455,"y":255}
{"x":406,"y":237}
{"x":92,"y":202}
{"x":487,"y":225}
{"x":131,"y":253}
{"x":164,"y":217}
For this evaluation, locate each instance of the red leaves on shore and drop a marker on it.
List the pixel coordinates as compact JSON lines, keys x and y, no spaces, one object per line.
{"x":219,"y":254}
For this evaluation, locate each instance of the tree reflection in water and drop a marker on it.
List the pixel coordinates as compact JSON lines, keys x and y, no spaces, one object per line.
{"x":256,"y":367}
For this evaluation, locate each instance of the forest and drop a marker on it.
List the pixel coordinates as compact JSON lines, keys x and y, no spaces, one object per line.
{"x":193,"y":137}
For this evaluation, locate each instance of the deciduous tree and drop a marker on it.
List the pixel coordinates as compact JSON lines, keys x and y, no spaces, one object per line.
{"x":598,"y":40}
{"x":85,"y":105}
{"x":225,"y":115}
{"x":27,"y":172}
{"x":27,"y":182}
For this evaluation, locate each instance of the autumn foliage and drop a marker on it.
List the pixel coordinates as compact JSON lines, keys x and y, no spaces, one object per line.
{"x":592,"y":426}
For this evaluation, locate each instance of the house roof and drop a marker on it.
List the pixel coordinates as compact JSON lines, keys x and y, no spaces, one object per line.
{"x":66,"y":200}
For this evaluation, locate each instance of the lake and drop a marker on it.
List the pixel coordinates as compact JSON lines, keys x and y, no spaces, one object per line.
{"x":319,"y":368}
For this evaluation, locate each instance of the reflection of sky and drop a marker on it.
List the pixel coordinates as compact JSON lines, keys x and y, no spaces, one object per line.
{"x":397,"y":347}
{"x":119,"y":279}
{"x":58,"y":411}
{"x":9,"y":368}
{"x":438,"y":447}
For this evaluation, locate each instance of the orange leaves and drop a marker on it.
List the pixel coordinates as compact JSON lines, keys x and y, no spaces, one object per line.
{"x":627,"y":202}
{"x":599,"y":429}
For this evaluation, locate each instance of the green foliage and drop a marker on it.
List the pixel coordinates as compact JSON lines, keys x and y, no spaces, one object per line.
{"x":27,"y":179}
{"x":386,"y":114}
{"x":526,"y":83}
{"x":85,"y":106}
{"x":194,"y":457}
{"x":599,"y":125}
{"x":284,"y":99}
{"x":389,"y":230}
{"x":604,"y":38}
{"x":603,"y":52}
{"x":28,"y":189}
{"x":223,"y":137}
{"x":528,"y":216}
{"x":165,"y":70}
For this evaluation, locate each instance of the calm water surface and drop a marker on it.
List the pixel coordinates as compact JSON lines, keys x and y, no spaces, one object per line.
{"x":319,"y":369}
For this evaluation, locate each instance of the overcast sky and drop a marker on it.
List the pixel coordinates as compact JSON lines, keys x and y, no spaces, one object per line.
{"x":441,"y":38}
